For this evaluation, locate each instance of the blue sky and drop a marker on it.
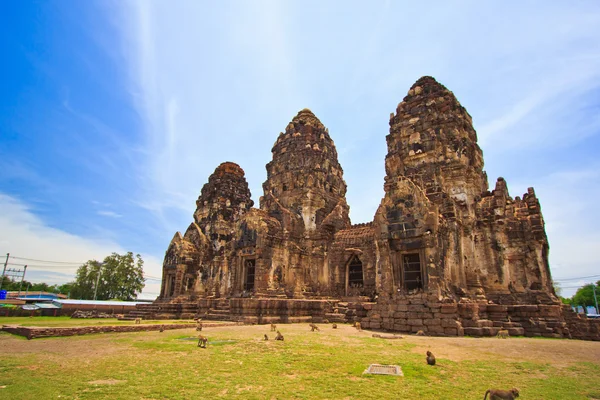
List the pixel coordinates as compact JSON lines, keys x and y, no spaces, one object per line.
{"x":114,"y":113}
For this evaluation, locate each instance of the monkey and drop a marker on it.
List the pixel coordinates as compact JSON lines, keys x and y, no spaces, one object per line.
{"x":279,"y":336}
{"x":314,"y":327}
{"x":273,"y":327}
{"x":266,"y":337}
{"x":497,"y":394}
{"x":358,"y":327}
{"x":420,"y":333}
{"x":336,"y":311}
{"x":138,"y":321}
{"x":162,"y":328}
{"x":334,"y":326}
{"x":199,"y":326}
{"x":503,"y":333}
{"x":430,"y":358}
{"x":202,"y":341}
{"x":509,"y":320}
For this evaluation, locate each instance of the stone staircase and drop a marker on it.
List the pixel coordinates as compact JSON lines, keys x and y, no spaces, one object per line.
{"x":179,"y":310}
{"x":219,"y":311}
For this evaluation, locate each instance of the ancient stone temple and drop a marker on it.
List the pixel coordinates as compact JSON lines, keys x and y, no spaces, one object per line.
{"x":443,"y":254}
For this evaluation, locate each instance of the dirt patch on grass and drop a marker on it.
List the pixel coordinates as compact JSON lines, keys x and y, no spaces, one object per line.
{"x":558,"y":352}
{"x":106,"y":382}
{"x":64,"y":346}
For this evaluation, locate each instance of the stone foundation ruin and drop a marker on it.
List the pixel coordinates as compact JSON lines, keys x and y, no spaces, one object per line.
{"x":443,"y":254}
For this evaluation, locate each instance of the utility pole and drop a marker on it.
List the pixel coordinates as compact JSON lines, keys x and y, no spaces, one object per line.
{"x":22,"y":278}
{"x":4,"y":270}
{"x":595,"y":298}
{"x":97,"y":279}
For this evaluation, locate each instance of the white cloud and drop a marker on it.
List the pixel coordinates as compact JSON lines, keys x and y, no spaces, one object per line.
{"x":108,"y":213}
{"x":25,"y":235}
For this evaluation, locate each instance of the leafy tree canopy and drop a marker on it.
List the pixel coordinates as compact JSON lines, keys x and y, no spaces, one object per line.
{"x":585,"y":295}
{"x":117,"y":277}
{"x":14,"y":285}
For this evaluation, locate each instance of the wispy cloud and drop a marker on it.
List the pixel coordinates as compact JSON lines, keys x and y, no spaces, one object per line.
{"x":108,"y":213}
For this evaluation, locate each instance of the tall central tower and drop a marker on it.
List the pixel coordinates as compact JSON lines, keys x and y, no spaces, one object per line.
{"x":305,"y":180}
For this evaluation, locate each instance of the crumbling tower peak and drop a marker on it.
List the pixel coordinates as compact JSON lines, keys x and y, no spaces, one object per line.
{"x":305,"y":117}
{"x":428,"y":84}
{"x":229,"y":167}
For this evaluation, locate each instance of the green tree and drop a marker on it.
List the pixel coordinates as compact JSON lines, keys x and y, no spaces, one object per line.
{"x":66,"y":288}
{"x":118,"y":277}
{"x":585,"y":295}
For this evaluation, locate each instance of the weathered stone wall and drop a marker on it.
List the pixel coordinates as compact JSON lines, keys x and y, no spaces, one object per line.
{"x":426,"y":313}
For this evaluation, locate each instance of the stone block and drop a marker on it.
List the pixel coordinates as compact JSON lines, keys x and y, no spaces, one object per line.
{"x":448,"y":323}
{"x":451,"y":332}
{"x":516,"y":331}
{"x":496,"y":308}
{"x":401,"y":327}
{"x":469,"y":331}
{"x":435,"y":329}
{"x":400,"y":314}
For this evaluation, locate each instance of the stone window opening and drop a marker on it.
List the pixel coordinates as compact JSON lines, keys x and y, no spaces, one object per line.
{"x":171,"y":286}
{"x":249,"y":274}
{"x":190,"y":283}
{"x":355,"y":273}
{"x":413,"y":273}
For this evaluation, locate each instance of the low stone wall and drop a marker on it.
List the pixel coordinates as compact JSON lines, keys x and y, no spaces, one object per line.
{"x":411,"y":314}
{"x":39,"y":332}
{"x":278,"y":310}
{"x":422,"y":312}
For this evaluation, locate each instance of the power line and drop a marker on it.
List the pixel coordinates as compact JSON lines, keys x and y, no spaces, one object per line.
{"x":571,"y":287}
{"x":574,"y":279}
{"x":47,"y":261}
{"x":44,"y":266}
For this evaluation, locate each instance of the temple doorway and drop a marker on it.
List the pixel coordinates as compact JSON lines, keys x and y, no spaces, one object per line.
{"x":250,"y":272}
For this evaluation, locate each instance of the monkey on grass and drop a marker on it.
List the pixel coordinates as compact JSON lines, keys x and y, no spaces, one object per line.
{"x":202,"y":341}
{"x":497,"y":394}
{"x":503,"y":333}
{"x":420,"y":333}
{"x":138,"y":321}
{"x":273,"y":327}
{"x":199,"y":326}
{"x":314,"y":327}
{"x":279,"y":336}
{"x":334,"y":326}
{"x":266,"y":337}
{"x":430,"y":358}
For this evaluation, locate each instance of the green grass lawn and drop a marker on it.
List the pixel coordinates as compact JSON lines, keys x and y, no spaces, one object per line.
{"x":329,"y":364}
